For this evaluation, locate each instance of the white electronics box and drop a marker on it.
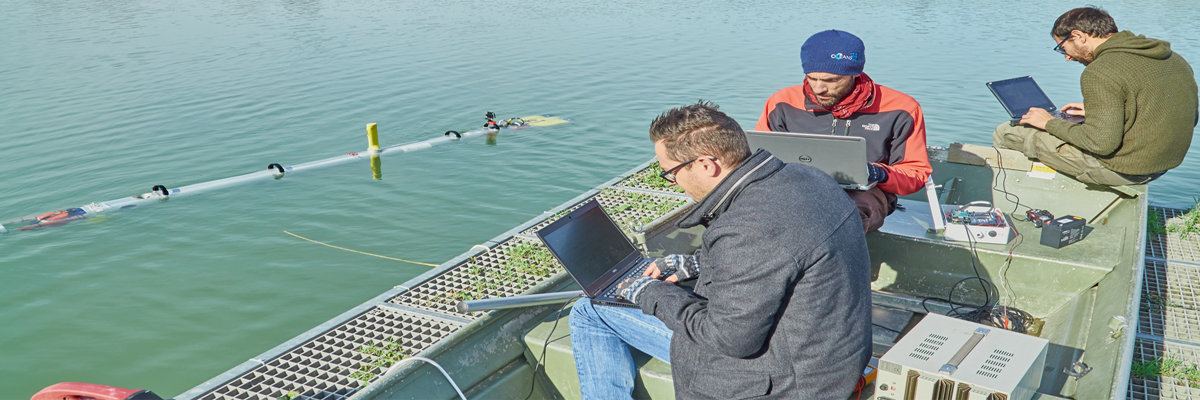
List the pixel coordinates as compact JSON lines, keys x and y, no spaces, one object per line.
{"x":976,"y":222}
{"x":949,"y":358}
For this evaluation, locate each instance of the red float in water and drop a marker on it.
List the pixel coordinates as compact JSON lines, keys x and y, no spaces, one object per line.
{"x":91,"y":391}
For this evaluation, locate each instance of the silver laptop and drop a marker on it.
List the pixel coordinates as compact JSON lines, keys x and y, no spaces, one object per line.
{"x":842,"y":157}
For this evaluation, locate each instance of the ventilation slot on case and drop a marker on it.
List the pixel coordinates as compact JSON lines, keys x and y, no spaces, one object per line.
{"x":994,"y":364}
{"x":928,"y":347}
{"x":997,"y":396}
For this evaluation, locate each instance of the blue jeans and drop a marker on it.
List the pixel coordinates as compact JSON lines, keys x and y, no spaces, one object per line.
{"x":601,"y":336}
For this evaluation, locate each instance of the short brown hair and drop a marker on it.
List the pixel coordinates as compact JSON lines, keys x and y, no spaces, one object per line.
{"x":689,"y":131}
{"x":1092,"y":20}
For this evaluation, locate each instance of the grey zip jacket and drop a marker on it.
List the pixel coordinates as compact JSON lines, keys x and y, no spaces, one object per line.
{"x":782,"y":305}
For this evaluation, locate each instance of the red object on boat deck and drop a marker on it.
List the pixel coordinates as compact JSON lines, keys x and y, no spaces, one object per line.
{"x":91,"y":391}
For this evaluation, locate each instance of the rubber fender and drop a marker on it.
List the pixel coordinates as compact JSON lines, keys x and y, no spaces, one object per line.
{"x":82,"y":391}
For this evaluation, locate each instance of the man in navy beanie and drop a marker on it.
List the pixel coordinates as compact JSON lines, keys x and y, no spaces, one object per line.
{"x":837,"y":98}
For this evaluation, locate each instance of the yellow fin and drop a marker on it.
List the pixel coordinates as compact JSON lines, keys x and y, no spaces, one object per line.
{"x":543,"y":120}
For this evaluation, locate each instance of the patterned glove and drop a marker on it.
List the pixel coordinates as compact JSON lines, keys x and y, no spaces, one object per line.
{"x":631,"y":287}
{"x":876,"y":173}
{"x":682,"y":265}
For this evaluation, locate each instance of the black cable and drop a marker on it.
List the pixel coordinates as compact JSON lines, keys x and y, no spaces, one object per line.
{"x":557,"y":317}
{"x":1010,"y":315}
{"x":1007,"y":316}
{"x":956,"y":308}
{"x":1004,"y":186}
{"x":987,"y":297}
{"x":885,"y":328}
{"x":1010,"y":318}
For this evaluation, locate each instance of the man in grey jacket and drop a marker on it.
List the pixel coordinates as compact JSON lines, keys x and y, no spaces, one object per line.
{"x":782,"y":303}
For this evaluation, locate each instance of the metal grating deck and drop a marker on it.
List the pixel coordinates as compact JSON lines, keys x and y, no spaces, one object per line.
{"x":1167,"y":352}
{"x":509,"y":269}
{"x":648,"y":179}
{"x":1162,"y":387}
{"x":1170,"y":308}
{"x":336,"y":364}
{"x":1170,"y":246}
{"x":629,"y":209}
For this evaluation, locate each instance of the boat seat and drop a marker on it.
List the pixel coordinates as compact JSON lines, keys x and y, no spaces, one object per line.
{"x":654,"y":381}
{"x":558,"y":374}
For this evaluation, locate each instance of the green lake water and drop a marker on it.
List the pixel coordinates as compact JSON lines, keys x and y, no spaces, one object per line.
{"x":104,"y":99}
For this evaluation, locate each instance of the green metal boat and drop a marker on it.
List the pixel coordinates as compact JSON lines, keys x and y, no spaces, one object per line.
{"x":1084,"y":298}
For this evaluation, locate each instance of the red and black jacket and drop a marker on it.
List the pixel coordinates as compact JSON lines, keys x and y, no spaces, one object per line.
{"x":892,"y":123}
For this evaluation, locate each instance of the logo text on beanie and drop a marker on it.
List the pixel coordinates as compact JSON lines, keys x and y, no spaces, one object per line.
{"x":840,"y":56}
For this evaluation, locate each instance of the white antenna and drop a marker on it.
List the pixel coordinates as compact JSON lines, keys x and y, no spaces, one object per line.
{"x":939,"y":220}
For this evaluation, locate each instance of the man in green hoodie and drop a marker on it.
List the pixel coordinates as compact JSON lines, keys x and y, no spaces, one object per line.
{"x":1140,"y":103}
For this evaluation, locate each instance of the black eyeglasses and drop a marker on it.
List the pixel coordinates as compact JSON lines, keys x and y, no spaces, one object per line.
{"x":1059,"y":48}
{"x":669,"y":175}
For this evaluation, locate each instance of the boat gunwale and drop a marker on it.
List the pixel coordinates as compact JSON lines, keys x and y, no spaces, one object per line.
{"x":554,"y":282}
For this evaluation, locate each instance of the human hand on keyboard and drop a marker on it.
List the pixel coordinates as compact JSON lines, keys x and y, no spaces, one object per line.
{"x":676,"y":267}
{"x":1073,"y":109}
{"x":631,"y":287}
{"x":655,"y":272}
{"x":876,"y":173}
{"x":1036,"y":117}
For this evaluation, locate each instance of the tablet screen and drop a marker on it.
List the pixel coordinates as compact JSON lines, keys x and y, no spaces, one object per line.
{"x":1020,"y":94}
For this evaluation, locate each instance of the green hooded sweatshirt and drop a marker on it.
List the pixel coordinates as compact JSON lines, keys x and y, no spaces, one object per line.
{"x":1141,"y":105}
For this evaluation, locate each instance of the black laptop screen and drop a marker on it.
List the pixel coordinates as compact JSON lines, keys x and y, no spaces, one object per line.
{"x":1020,"y":94}
{"x":588,"y":243}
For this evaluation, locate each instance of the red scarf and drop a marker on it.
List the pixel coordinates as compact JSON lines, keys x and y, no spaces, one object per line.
{"x":864,"y":89}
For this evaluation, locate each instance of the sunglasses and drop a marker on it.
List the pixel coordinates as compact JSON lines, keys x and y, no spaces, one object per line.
{"x":1059,"y":48}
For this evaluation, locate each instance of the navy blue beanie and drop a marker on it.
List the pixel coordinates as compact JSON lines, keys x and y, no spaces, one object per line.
{"x":834,"y":52}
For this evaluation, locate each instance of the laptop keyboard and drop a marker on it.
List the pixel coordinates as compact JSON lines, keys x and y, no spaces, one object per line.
{"x":637,"y":270}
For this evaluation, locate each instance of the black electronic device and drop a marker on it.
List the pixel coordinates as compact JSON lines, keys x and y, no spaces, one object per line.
{"x":1018,"y":95}
{"x":1038,"y":217}
{"x":594,"y":250}
{"x":1062,"y":231}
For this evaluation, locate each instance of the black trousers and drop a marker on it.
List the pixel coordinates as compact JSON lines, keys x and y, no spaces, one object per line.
{"x":873,"y":206}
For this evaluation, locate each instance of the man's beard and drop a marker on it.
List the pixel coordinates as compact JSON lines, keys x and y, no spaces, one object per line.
{"x":1086,"y":59}
{"x":836,"y":97}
